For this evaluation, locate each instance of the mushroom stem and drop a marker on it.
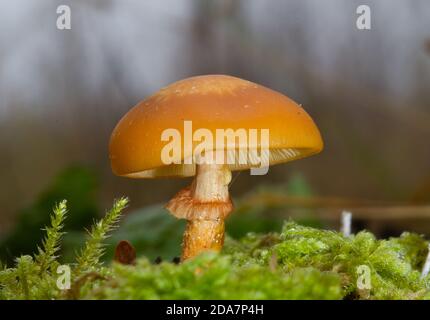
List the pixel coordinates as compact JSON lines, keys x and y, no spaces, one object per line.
{"x":205,"y":204}
{"x":202,"y":235}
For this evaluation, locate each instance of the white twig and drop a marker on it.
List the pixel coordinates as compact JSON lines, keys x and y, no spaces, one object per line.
{"x":346,"y":223}
{"x":426,"y":267}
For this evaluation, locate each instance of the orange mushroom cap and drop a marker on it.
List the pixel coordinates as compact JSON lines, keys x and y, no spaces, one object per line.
{"x":211,"y":102}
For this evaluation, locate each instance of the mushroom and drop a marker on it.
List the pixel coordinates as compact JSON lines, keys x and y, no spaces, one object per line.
{"x":177,"y":124}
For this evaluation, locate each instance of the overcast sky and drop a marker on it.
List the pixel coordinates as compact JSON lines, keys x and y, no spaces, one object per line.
{"x":143,"y":42}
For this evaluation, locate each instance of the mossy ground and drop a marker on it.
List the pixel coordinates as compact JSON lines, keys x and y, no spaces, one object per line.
{"x":297,"y":263}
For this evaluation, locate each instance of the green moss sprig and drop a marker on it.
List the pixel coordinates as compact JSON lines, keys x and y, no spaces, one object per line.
{"x":51,"y":244}
{"x":36,"y":278}
{"x":93,"y":250}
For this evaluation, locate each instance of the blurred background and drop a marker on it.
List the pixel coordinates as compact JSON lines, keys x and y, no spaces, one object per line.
{"x":63,"y":91}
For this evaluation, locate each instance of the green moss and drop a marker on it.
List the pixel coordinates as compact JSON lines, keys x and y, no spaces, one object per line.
{"x":36,"y":278}
{"x":216,"y":277}
{"x":393,"y":264}
{"x":298,"y":263}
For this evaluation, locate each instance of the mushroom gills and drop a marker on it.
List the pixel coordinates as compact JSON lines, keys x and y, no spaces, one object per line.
{"x":250,"y":158}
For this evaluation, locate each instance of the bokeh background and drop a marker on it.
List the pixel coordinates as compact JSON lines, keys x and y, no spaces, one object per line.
{"x":63,"y":91}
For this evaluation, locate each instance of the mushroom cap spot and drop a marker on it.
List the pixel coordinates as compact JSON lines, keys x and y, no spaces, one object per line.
{"x":211,"y":102}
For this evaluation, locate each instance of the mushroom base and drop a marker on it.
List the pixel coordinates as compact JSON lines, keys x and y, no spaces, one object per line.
{"x":202,"y":235}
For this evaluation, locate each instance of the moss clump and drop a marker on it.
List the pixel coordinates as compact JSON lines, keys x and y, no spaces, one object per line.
{"x":392,"y":275}
{"x":297,"y":263}
{"x":213,"y":276}
{"x":393,"y":265}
